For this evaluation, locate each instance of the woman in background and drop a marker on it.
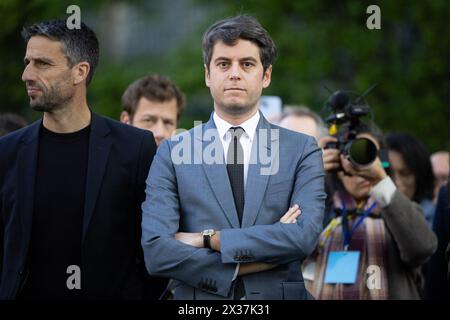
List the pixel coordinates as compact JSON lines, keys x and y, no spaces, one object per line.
{"x":413,"y":174}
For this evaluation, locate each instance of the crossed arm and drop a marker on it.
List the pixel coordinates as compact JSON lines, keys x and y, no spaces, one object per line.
{"x":196,"y":240}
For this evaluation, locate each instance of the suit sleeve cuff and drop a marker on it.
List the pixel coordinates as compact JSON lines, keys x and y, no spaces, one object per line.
{"x":383,"y":191}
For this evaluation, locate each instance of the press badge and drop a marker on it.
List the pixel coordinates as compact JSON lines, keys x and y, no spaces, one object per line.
{"x":342,"y":267}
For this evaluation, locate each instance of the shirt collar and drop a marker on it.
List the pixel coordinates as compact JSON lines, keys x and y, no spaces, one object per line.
{"x":249,"y":125}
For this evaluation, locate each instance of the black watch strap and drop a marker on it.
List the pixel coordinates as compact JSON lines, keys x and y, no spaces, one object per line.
{"x":207,"y":241}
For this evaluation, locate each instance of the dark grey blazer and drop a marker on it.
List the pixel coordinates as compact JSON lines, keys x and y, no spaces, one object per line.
{"x":193,"y":196}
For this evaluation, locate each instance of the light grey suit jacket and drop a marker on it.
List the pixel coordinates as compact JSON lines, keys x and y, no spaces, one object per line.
{"x":190,"y":197}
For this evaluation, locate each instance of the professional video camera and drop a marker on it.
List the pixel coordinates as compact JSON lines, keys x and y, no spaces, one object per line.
{"x":344,"y":122}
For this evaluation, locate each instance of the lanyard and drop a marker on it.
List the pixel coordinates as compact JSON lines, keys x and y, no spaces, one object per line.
{"x":328,"y":229}
{"x":349,"y":233}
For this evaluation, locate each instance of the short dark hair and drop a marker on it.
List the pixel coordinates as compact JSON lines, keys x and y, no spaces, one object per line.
{"x":10,"y":122}
{"x":78,"y":44}
{"x":240,"y":27}
{"x":154,"y":88}
{"x":417,"y":158}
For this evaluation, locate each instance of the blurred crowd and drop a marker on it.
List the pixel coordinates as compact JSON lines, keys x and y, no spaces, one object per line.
{"x":408,"y":237}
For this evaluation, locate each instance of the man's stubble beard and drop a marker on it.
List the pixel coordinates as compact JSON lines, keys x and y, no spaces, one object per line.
{"x":52,"y":99}
{"x":237,"y":109}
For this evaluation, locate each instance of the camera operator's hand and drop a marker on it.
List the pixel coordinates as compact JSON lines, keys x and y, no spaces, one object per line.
{"x":330,"y":157}
{"x":374,"y":172}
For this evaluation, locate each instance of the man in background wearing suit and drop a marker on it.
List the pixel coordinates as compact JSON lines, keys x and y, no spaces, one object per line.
{"x":231,"y":228}
{"x":72,"y":183}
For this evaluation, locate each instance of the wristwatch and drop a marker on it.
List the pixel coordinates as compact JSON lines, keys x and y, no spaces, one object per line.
{"x":207,"y":234}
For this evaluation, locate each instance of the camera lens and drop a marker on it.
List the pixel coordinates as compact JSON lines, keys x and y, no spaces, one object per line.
{"x":362,"y":151}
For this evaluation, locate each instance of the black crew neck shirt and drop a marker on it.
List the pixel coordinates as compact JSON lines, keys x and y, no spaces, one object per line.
{"x":57,"y":222}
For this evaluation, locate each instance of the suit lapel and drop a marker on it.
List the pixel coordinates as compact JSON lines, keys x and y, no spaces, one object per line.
{"x":218,"y":177}
{"x":99,"y":148}
{"x":256,"y":181}
{"x":27,"y":163}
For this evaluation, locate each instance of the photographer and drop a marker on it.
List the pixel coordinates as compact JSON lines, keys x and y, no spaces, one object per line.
{"x":378,"y":235}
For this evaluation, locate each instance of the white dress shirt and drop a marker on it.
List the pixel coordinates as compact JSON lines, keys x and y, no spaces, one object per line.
{"x":246,"y":139}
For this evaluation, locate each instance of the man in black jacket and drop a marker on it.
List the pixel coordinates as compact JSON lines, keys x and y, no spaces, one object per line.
{"x":438,"y":277}
{"x":71,"y":184}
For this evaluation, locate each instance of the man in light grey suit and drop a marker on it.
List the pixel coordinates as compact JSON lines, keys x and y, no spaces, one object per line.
{"x":222,"y":213}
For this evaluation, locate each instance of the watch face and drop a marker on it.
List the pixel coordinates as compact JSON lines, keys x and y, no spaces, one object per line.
{"x":208,"y":232}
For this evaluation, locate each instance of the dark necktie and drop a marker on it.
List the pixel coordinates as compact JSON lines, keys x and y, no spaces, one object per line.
{"x":235,"y":169}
